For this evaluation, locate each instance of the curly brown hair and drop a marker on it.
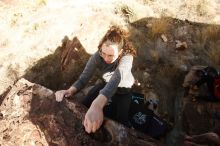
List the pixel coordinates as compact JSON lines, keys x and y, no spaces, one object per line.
{"x":118,"y":36}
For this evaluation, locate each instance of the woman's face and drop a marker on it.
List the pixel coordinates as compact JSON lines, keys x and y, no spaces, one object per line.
{"x":110,"y":52}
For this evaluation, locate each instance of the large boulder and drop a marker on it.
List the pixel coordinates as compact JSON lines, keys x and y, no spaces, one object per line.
{"x":201,"y":123}
{"x":31,"y":116}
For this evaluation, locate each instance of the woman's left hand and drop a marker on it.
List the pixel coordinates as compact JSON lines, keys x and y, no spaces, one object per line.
{"x":94,"y":116}
{"x":93,"y":119}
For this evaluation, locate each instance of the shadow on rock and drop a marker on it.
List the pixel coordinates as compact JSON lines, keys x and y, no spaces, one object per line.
{"x":60,"y":69}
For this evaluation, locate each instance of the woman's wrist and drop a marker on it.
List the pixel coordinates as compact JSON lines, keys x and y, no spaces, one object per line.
{"x":72,"y":90}
{"x":100,"y":101}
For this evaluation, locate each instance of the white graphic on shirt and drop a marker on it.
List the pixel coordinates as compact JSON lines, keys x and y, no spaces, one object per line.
{"x":107,"y":76}
{"x":126,"y":82}
{"x":139,"y":118}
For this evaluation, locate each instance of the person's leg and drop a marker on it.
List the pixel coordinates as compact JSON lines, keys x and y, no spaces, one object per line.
{"x":110,"y":110}
{"x":92,"y":94}
{"x":122,"y":102}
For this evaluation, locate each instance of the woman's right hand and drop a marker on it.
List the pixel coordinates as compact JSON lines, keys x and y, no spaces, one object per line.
{"x":64,"y":93}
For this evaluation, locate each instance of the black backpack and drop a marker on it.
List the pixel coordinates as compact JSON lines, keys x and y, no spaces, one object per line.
{"x":144,"y":119}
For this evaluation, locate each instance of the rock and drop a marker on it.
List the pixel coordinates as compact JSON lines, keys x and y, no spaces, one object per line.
{"x":181,"y":45}
{"x":32,"y":116}
{"x":191,"y":77}
{"x":183,"y":67}
{"x":199,"y":121}
{"x":199,"y":116}
{"x":146,"y":75}
{"x":148,"y":25}
{"x":164,"y":38}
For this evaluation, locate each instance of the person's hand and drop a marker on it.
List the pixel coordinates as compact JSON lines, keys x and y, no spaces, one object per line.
{"x":61,"y":94}
{"x":64,"y":93}
{"x":93,"y":119}
{"x":94,"y":116}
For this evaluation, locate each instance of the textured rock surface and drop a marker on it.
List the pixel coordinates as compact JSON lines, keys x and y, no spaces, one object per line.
{"x":199,"y":116}
{"x":199,"y":121}
{"x":31,"y":116}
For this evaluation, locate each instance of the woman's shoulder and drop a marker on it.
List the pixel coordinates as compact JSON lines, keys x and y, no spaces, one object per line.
{"x":96,"y":58}
{"x":127,"y":56}
{"x":96,"y":55}
{"x":126,"y":59}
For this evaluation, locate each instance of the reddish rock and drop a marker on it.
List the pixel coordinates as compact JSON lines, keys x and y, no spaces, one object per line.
{"x":199,"y":121}
{"x":31,"y":116}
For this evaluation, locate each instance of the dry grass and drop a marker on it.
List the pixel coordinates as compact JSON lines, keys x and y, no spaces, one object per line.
{"x":41,"y":2}
{"x":13,"y":72}
{"x":127,"y":12}
{"x":214,"y":56}
{"x":170,"y":75}
{"x":168,"y":71}
{"x":134,"y":10}
{"x":155,"y":55}
{"x":210,"y":33}
{"x":158,"y":27}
